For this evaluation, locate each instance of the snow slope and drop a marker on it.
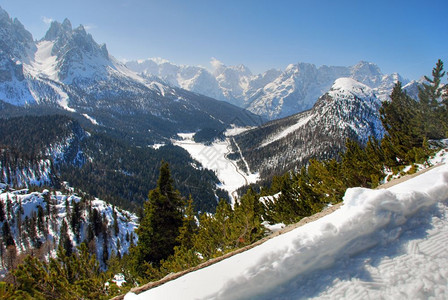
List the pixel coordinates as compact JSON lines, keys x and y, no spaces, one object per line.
{"x":388,"y":243}
{"x":214,"y":157}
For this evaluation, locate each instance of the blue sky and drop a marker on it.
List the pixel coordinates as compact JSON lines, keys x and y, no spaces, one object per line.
{"x":400,"y":36}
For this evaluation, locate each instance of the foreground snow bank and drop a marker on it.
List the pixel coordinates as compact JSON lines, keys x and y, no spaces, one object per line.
{"x":359,"y":251}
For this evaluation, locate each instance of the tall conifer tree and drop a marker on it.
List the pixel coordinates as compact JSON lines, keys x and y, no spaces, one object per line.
{"x":430,"y":96}
{"x":159,"y":227}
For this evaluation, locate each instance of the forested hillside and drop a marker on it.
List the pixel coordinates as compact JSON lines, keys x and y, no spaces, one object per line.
{"x":46,"y":150}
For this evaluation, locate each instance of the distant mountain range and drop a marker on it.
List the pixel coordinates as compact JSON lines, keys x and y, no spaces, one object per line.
{"x":273,"y":94}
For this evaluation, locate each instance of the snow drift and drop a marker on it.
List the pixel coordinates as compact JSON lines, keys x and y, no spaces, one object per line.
{"x":332,"y":256}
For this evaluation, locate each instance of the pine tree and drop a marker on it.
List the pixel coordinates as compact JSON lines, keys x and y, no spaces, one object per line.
{"x":7,"y":236}
{"x":354,"y":165}
{"x":294,"y":201}
{"x":47,"y":200}
{"x":444,"y":112}
{"x":247,"y":219}
{"x":115,"y":218}
{"x":8,"y":208}
{"x":326,"y":182}
{"x":67,"y":207}
{"x":95,"y":220}
{"x":64,"y":239}
{"x":184,"y":255}
{"x":189,"y":226}
{"x":2,"y":212}
{"x":430,"y":96}
{"x":77,"y":276}
{"x":105,"y":247}
{"x":118,"y":248}
{"x":19,"y":224}
{"x":214,"y":235}
{"x":402,"y":118}
{"x":159,"y":227}
{"x":32,"y":232}
{"x":75,"y":220}
{"x":40,"y":219}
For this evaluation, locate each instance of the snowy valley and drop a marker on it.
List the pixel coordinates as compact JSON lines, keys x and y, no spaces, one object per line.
{"x":215,"y":157}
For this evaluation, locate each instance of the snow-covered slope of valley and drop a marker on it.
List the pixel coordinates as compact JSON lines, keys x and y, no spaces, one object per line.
{"x":386,"y":243}
{"x":214,"y":157}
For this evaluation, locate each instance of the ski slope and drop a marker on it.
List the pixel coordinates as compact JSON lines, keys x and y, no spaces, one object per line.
{"x":388,"y":243}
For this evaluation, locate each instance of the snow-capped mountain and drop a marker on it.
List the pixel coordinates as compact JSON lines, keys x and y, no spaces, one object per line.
{"x":273,"y":94}
{"x":224,"y":83}
{"x":68,"y":70}
{"x":348,"y":110}
{"x":16,"y":45}
{"x":300,"y":85}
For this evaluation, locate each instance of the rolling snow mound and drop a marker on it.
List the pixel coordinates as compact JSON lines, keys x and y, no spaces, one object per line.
{"x":388,"y":243}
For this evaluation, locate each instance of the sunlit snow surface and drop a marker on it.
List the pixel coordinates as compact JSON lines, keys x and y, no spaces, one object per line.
{"x":389,"y":244}
{"x":213,"y":157}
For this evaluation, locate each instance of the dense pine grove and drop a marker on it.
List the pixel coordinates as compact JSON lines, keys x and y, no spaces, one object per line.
{"x":190,"y":238}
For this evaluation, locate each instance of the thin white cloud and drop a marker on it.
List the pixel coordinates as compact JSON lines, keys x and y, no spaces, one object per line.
{"x":216,"y":64}
{"x":90,"y":26}
{"x":46,"y":20}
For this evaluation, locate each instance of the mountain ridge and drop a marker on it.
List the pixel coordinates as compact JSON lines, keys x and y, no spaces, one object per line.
{"x":272,"y":94}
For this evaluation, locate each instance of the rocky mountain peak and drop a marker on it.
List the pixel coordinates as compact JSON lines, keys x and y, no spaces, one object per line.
{"x":367,"y":73}
{"x":67,"y":25}
{"x":15,"y":40}
{"x":4,"y":16}
{"x":58,"y":30}
{"x":242,"y":70}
